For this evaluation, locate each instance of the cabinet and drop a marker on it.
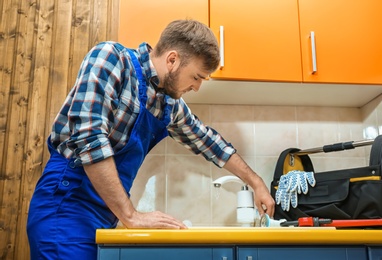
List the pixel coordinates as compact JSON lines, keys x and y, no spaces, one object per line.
{"x":238,"y":243}
{"x":375,"y":253}
{"x":261,"y":39}
{"x":277,"y":40}
{"x":168,"y":253}
{"x":348,"y":40}
{"x":239,"y":252}
{"x":306,"y":252}
{"x":271,"y":40}
{"x":143,"y":21}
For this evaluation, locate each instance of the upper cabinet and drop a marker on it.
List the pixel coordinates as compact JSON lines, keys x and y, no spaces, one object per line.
{"x":321,"y":41}
{"x":143,"y":21}
{"x":331,"y":41}
{"x":259,"y":39}
{"x":341,"y":40}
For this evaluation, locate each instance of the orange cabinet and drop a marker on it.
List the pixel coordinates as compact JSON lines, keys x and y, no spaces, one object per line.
{"x":347,"y":41}
{"x":143,"y":21}
{"x":260,"y":38}
{"x":322,"y":41}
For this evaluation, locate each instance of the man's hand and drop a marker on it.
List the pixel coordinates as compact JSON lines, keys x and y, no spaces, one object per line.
{"x":262,"y":198}
{"x":154,"y":219}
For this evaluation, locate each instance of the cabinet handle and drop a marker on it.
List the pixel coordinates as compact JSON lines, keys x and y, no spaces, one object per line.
{"x":224,"y":258}
{"x":314,"y":57}
{"x":249,"y":257}
{"x":221,"y":30}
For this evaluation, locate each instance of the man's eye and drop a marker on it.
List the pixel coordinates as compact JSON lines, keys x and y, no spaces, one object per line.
{"x":195,"y":78}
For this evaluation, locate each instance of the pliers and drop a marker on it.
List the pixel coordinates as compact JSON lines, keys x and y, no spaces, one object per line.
{"x":325,"y":222}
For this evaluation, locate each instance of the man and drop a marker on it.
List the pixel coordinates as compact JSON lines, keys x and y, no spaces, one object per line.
{"x":122,"y":104}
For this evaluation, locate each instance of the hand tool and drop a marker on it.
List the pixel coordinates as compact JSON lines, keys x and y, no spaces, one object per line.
{"x":324,"y":222}
{"x":266,"y":221}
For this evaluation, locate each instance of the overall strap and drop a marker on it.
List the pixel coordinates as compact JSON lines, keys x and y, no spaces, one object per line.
{"x":142,"y":89}
{"x":142,"y":82}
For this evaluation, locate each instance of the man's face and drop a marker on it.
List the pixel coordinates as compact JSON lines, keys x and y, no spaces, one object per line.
{"x":184,"y":79}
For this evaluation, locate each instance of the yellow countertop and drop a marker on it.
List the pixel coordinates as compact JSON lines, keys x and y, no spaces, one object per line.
{"x":239,"y":235}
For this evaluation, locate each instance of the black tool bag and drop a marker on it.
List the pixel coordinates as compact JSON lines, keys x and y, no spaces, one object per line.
{"x":341,"y":194}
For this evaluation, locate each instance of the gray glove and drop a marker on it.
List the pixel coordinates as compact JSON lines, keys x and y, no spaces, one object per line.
{"x":292,"y":184}
{"x":282,"y":193}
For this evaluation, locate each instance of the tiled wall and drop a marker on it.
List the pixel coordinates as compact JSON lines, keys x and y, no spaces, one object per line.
{"x":175,"y":181}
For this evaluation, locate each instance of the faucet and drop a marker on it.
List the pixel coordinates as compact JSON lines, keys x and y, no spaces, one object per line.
{"x":219,"y":182}
{"x":246,"y":212}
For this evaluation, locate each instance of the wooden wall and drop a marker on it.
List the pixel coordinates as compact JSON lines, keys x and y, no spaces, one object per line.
{"x":42,"y":43}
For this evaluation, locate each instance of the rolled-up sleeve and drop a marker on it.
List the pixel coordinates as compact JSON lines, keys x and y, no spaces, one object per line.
{"x":94,"y":99}
{"x":189,"y":131}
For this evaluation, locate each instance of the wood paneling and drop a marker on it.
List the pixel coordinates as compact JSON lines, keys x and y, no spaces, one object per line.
{"x":42,"y":44}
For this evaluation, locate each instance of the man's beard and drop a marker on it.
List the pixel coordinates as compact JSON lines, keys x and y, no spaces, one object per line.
{"x":169,"y":84}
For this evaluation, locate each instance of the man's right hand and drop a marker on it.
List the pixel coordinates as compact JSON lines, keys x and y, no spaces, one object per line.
{"x":104,"y":177}
{"x":155,"y":219}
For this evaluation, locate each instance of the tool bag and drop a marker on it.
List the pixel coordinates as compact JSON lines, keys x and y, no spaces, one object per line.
{"x":341,"y":194}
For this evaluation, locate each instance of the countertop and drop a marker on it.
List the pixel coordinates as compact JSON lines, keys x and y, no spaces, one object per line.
{"x":239,"y":235}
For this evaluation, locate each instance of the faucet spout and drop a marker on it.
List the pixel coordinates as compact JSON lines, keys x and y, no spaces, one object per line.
{"x":222,"y":180}
{"x":246,"y":210}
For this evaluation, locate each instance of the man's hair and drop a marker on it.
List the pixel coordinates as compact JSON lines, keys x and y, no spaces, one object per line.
{"x":190,"y":39}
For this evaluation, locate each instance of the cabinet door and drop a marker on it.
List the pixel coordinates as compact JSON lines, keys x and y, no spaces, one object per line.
{"x":375,"y":253}
{"x":176,"y":253}
{"x":348,"y":40}
{"x":144,"y":20}
{"x":261,"y":39}
{"x":107,"y":252}
{"x":302,"y":252}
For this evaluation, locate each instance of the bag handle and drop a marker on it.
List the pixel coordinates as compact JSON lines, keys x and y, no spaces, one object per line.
{"x":335,"y":147}
{"x":307,"y":165}
{"x":376,"y":151}
{"x":302,"y":161}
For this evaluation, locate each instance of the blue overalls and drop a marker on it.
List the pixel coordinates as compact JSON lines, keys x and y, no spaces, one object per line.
{"x":65,"y":210}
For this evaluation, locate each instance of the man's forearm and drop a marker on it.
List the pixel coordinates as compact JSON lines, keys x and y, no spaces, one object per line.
{"x":104,"y":177}
{"x":106,"y":181}
{"x":240,"y":168}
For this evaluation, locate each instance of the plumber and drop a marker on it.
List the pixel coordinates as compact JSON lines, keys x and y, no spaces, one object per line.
{"x":122,"y":104}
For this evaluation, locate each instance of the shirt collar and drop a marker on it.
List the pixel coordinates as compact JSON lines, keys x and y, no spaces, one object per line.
{"x":151,"y":74}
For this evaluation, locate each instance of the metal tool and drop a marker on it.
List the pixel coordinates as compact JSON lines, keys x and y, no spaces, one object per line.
{"x":335,"y":147}
{"x":323,"y":222}
{"x":306,"y":222}
{"x":330,"y":148}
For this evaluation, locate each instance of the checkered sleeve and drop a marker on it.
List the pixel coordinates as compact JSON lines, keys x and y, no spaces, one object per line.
{"x":189,"y":131}
{"x":94,"y":99}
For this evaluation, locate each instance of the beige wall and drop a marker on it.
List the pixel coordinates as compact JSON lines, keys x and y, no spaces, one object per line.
{"x":175,"y":181}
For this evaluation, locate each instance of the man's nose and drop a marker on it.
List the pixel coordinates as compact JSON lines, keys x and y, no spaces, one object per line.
{"x":196,"y":87}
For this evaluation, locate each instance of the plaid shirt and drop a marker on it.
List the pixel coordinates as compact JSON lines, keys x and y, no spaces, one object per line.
{"x":100,"y":111}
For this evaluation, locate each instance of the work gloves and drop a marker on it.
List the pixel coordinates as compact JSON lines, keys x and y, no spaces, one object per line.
{"x":292,"y":184}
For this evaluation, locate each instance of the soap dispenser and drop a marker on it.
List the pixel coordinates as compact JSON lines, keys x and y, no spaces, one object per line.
{"x":246,"y":213}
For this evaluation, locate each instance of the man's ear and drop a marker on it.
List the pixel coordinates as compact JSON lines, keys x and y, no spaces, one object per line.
{"x":172,"y":60}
